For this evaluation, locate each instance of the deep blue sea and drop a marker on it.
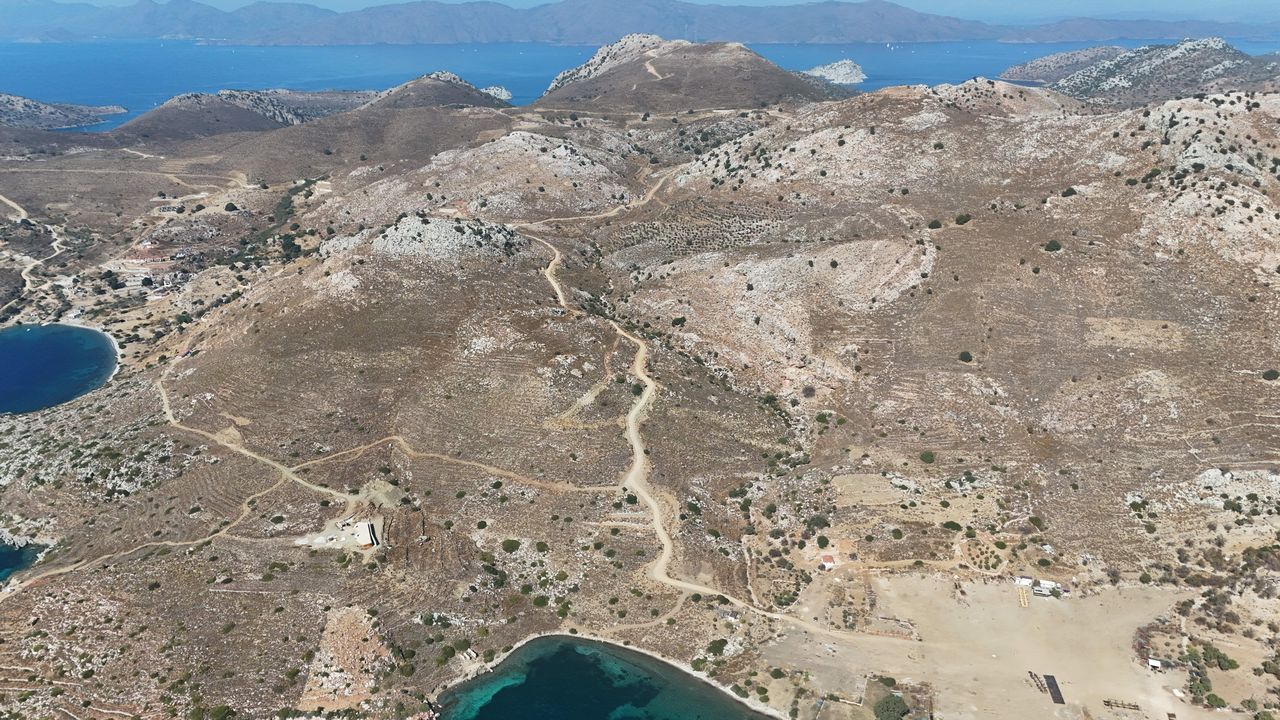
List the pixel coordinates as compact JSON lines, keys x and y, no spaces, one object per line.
{"x":142,"y":74}
{"x":46,"y":365}
{"x":563,"y":678}
{"x":13,"y":559}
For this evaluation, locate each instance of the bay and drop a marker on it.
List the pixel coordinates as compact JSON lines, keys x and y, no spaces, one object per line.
{"x":46,"y":365}
{"x":565,"y":678}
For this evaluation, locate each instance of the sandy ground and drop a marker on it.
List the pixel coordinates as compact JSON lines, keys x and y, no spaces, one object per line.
{"x":977,"y":650}
{"x":341,"y":674}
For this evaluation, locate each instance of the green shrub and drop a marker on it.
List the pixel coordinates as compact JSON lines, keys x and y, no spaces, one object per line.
{"x":891,"y":707}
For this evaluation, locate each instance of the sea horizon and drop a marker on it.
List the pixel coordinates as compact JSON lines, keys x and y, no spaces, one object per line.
{"x":98,"y":73}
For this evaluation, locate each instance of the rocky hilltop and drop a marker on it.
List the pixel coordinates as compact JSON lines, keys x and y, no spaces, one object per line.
{"x":650,"y":74}
{"x":497,"y":91}
{"x":193,"y":115}
{"x":198,"y":114}
{"x":21,"y":112}
{"x":1161,"y":72}
{"x":293,"y":107}
{"x":626,"y":50}
{"x":438,"y":89}
{"x":1052,"y":68}
{"x":841,"y":72}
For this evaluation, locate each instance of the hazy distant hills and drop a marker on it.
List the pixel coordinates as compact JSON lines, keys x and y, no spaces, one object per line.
{"x":567,"y":21}
{"x":1106,"y":30}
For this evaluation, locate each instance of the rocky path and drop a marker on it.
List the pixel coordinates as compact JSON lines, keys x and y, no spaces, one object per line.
{"x":286,"y":472}
{"x":21,"y":213}
{"x":636,"y":478}
{"x":59,"y":246}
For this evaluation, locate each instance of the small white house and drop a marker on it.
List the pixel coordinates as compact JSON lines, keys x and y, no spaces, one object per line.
{"x":367,"y":535}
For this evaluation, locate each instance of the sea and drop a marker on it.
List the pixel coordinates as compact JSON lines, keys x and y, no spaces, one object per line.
{"x":568,"y":678}
{"x":13,"y":559}
{"x":140,"y":75}
{"x":46,"y":365}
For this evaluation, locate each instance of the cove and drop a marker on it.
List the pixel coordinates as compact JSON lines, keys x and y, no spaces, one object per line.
{"x":46,"y":365}
{"x":564,"y":678}
{"x":14,"y":558}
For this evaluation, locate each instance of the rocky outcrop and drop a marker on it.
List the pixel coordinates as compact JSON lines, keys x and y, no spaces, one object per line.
{"x":1156,"y":73}
{"x":629,"y":48}
{"x":494,"y":91}
{"x":284,"y":107}
{"x":497,"y":91}
{"x":21,"y":112}
{"x":841,"y":72}
{"x":644,"y":73}
{"x":439,"y":89}
{"x":290,"y":107}
{"x":1052,"y":68}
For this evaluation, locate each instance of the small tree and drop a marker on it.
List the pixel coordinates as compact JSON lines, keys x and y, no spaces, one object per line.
{"x":891,"y":707}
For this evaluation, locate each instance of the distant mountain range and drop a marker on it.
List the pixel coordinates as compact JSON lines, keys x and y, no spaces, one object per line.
{"x":564,"y":22}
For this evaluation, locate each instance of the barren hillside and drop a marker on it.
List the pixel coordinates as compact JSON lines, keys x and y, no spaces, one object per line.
{"x":933,"y":389}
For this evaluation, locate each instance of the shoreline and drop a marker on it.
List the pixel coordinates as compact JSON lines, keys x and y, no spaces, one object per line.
{"x":473,"y":674}
{"x":115,"y":345}
{"x":118,"y":355}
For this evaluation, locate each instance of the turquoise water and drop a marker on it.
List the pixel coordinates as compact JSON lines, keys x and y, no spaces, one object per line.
{"x":563,"y":678}
{"x":142,"y":74}
{"x":13,"y":559}
{"x":46,"y":365}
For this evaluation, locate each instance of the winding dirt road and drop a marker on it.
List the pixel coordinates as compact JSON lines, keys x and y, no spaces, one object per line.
{"x":636,"y":478}
{"x":21,"y":212}
{"x":285,"y":471}
{"x":407,"y":449}
{"x":28,"y":282}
